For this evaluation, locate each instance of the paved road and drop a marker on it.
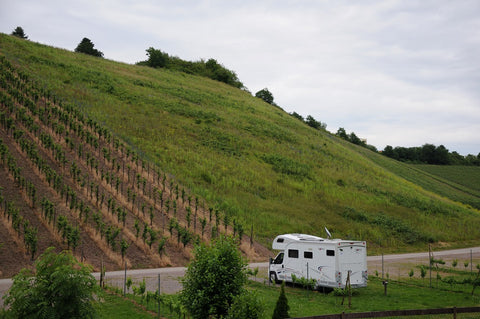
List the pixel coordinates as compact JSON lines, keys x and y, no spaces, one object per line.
{"x":399,"y":265}
{"x":463,"y":253}
{"x":169,"y":277}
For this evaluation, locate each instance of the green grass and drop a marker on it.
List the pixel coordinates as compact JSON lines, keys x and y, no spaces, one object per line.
{"x":251,"y":160}
{"x":405,"y":294}
{"x":466,"y":176}
{"x":458,"y":183}
{"x":115,"y":307}
{"x":399,"y":296}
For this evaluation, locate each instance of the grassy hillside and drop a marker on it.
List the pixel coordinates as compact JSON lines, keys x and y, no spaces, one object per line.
{"x":468,"y":177}
{"x":253,"y":162}
{"x":459,"y":183}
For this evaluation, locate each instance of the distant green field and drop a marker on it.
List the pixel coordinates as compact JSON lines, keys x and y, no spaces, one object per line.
{"x":467,"y":176}
{"x":459,"y":183}
{"x":252,"y":161}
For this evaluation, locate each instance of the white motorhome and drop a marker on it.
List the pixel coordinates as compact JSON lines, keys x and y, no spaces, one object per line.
{"x":327,"y":261}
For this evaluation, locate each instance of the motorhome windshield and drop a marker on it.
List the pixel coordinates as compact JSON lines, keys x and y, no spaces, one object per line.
{"x":279,"y":259}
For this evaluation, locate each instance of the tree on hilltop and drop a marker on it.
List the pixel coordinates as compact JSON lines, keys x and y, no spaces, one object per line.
{"x":312,"y":122}
{"x":156,"y":58}
{"x":217,"y":71}
{"x":342,"y":133}
{"x":297,"y":116}
{"x":265,"y":95}
{"x":86,"y":46}
{"x":18,"y":32}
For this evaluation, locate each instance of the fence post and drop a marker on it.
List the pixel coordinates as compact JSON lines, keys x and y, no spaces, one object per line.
{"x":454,"y":312}
{"x":430,"y":263}
{"x":159,"y":295}
{"x":382,"y":266}
{"x":101,"y":274}
{"x":125,"y":281}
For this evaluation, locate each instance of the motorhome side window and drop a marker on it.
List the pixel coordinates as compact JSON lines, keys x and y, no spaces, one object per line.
{"x":308,"y":254}
{"x":330,"y":252}
{"x":293,"y":253}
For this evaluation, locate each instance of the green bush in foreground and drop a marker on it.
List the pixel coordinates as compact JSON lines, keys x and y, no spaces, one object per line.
{"x":214,"y":280}
{"x":59,"y":287}
{"x":247,"y":305}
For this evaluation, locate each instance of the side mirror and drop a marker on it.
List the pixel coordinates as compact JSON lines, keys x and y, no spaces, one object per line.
{"x":270,"y":261}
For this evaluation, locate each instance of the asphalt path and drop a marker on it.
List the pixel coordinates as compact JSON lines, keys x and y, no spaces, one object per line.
{"x":170,"y":276}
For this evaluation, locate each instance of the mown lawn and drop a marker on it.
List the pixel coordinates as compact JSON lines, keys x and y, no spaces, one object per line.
{"x":115,"y":307}
{"x":407,"y":294}
{"x":372,"y":298}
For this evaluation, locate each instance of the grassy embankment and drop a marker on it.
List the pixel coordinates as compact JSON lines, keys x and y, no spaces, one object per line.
{"x":252,"y":160}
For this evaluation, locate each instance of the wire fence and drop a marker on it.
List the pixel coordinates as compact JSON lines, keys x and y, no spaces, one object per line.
{"x":455,"y":313}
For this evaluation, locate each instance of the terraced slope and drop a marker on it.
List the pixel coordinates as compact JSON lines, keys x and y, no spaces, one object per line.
{"x":67,"y":182}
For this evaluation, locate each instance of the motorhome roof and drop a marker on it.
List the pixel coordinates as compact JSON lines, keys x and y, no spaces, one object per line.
{"x":282,"y":241}
{"x":301,"y":237}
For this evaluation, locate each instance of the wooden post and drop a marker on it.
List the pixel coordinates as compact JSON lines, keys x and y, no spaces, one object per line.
{"x":348,"y":290}
{"x":471,"y":261}
{"x":125,"y":281}
{"x":251,"y":236}
{"x":382,"y":267}
{"x":101,"y":273}
{"x":430,"y":263}
{"x":158,"y":295}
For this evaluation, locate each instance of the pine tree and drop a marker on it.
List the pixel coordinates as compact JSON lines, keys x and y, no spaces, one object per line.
{"x":18,"y":32}
{"x":281,"y":309}
{"x":86,"y":46}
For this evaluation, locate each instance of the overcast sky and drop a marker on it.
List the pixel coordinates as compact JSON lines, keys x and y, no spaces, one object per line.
{"x":400,"y":73}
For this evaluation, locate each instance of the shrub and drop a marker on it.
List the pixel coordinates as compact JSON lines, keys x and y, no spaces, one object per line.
{"x":86,"y":46}
{"x":59,"y":287}
{"x":265,"y":95}
{"x":246,"y":306}
{"x":282,"y":307}
{"x":213,"y":279}
{"x":411,"y":273}
{"x":18,"y":32}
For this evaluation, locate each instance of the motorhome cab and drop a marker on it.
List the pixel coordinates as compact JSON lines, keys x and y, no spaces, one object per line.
{"x":328,"y":261}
